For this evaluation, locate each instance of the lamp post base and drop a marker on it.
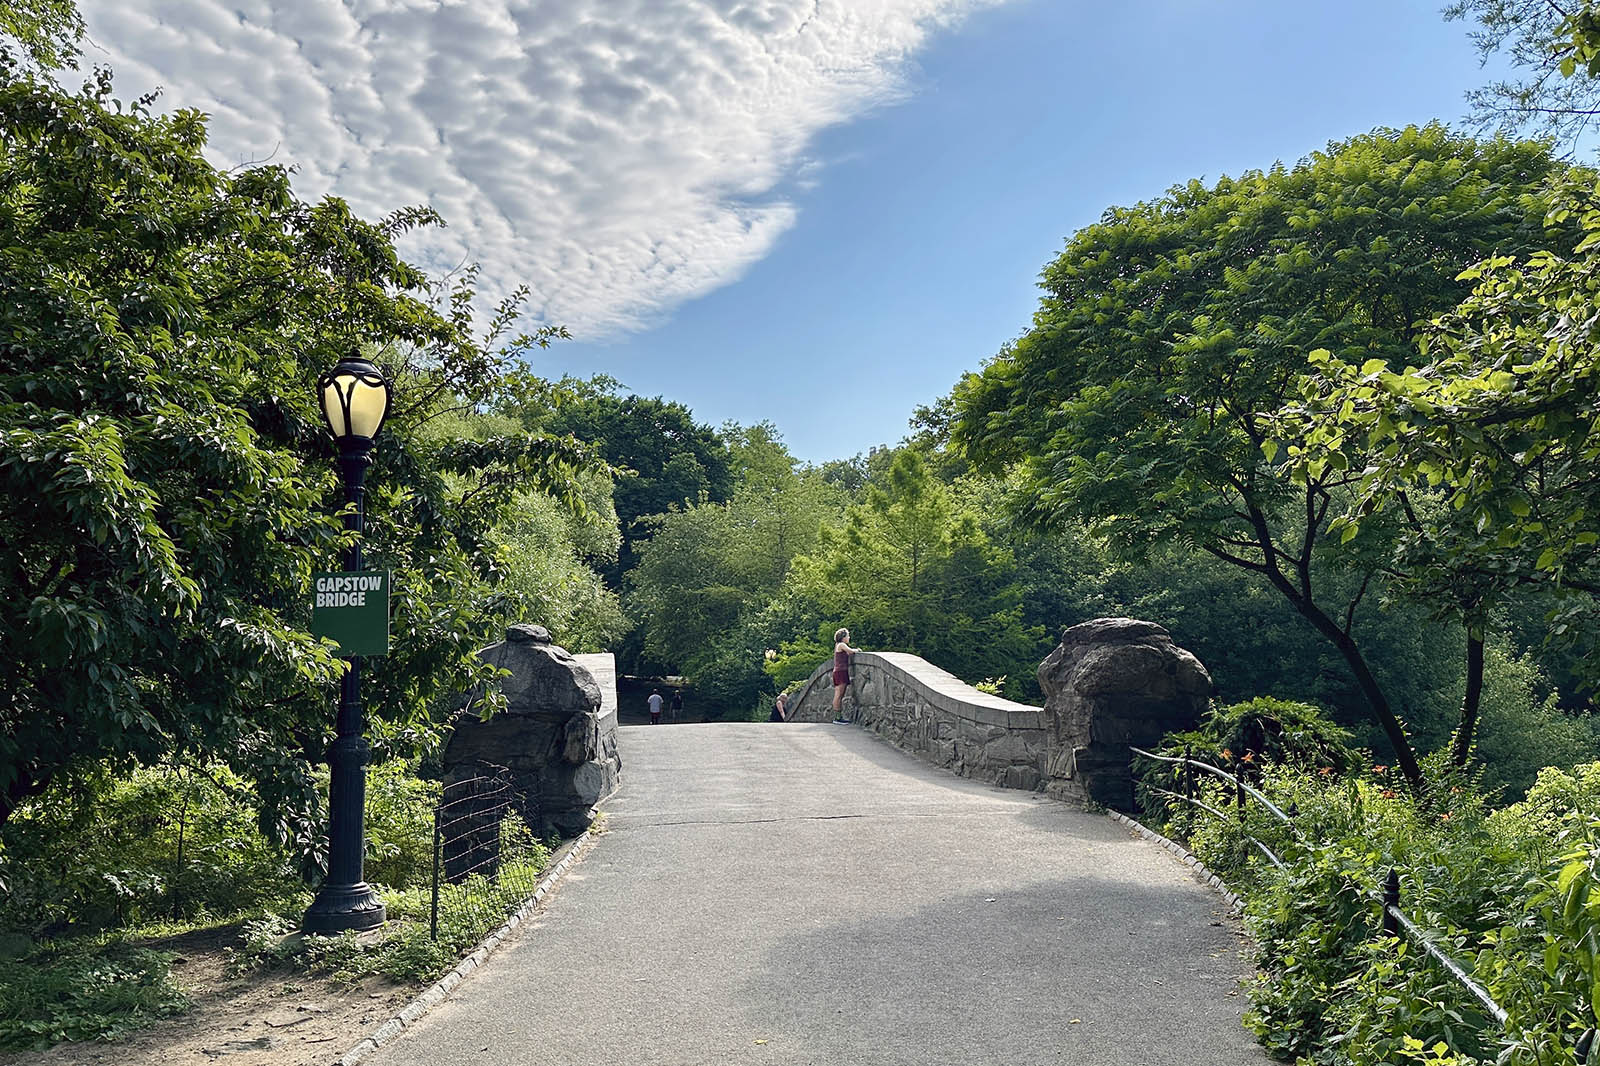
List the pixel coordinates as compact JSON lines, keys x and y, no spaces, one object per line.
{"x":341,"y":907}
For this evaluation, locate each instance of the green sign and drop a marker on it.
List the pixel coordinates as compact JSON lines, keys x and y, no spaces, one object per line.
{"x":352,"y":609}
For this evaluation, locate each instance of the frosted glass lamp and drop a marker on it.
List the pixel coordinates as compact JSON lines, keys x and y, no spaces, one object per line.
{"x":355,"y":398}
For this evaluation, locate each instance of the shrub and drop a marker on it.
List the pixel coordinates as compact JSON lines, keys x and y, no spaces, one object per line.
{"x":1268,"y":730}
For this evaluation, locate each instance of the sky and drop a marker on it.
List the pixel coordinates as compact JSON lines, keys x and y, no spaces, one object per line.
{"x":814,"y":212}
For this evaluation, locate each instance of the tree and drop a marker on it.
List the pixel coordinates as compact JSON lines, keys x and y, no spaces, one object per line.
{"x":910,"y":570}
{"x":1556,"y":47}
{"x":46,"y":31}
{"x":666,"y":458}
{"x":169,"y":485}
{"x":1497,"y":425}
{"x":708,"y":572}
{"x":1172,"y":332}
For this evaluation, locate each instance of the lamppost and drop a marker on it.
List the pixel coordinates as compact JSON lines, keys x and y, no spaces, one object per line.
{"x":355,"y":399}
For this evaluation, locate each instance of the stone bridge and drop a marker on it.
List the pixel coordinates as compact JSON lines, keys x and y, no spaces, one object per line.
{"x":807,"y":893}
{"x":1110,"y":683}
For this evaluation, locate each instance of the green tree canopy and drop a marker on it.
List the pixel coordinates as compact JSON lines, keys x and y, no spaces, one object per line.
{"x":169,"y":485}
{"x":1172,"y":331}
{"x":664,"y":456}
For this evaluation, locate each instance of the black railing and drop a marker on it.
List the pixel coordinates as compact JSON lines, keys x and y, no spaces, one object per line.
{"x":1394,"y":920}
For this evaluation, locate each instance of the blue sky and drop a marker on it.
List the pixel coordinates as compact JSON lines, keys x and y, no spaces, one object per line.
{"x":818,"y":212}
{"x":923,"y":225}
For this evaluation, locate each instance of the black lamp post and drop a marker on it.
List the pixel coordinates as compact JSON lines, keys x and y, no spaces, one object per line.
{"x":355,"y":399}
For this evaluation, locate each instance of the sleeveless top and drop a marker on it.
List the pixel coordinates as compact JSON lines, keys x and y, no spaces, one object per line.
{"x":841,"y":660}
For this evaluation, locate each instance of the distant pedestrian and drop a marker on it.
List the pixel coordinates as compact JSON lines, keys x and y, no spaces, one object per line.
{"x":843,"y":657}
{"x":677,"y":703}
{"x":655,"y":707}
{"x":780,"y":711}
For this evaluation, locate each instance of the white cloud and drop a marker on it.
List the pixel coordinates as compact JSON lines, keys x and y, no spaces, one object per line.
{"x":618,"y":156}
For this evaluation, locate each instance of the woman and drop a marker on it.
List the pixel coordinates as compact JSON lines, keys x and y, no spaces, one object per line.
{"x":780,"y":709}
{"x":843,"y":653}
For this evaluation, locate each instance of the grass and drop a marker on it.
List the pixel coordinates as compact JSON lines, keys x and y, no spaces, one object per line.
{"x":84,"y":990}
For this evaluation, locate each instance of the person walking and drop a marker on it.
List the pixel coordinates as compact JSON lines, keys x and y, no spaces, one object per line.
{"x":677,"y":703}
{"x":655,"y":707}
{"x":843,"y":657}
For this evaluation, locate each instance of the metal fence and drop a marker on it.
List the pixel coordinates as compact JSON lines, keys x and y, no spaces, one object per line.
{"x":486,"y":858}
{"x":1393,"y":920}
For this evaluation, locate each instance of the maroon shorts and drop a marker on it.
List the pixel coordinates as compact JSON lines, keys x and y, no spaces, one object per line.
{"x":841,"y":677}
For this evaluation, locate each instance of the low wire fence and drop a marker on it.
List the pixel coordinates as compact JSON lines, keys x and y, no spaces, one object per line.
{"x":1392,"y":919}
{"x":486,"y":858}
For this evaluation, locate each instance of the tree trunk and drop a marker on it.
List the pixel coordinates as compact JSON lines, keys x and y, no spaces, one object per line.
{"x":1404,"y":756}
{"x":1461,"y":750}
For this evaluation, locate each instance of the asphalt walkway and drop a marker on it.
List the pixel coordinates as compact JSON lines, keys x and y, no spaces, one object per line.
{"x":806,"y":894}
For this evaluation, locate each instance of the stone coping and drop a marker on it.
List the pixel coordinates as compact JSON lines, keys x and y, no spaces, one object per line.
{"x":603,"y":665}
{"x":947,"y":690}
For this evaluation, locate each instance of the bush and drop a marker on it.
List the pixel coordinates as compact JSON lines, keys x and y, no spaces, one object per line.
{"x":97,"y":852}
{"x":1512,"y":894}
{"x":1268,"y":730}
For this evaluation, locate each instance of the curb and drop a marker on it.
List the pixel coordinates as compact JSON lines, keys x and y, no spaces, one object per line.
{"x":1196,"y":867}
{"x":435,"y":994}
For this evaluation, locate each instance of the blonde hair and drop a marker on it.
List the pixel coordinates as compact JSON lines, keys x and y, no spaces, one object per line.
{"x":841,"y":634}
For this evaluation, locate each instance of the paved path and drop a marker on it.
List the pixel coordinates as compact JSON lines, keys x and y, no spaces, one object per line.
{"x":794,"y":894}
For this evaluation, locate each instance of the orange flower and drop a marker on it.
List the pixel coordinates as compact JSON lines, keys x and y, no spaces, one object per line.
{"x":1326,"y":771}
{"x":1387,"y":793}
{"x":1249,"y":756}
{"x":1379,"y":769}
{"x":1227,"y":753}
{"x":1445,"y":817}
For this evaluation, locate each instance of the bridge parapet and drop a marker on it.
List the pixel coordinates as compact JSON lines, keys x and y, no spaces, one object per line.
{"x":934,"y":714}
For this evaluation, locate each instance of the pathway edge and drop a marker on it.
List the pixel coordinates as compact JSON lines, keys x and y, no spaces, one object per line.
{"x":437,"y":992}
{"x":1196,"y":867}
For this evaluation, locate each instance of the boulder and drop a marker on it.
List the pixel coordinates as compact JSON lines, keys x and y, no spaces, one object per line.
{"x":552,"y":741}
{"x":1112,"y":684}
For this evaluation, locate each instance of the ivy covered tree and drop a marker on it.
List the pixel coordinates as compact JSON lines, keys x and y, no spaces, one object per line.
{"x":169,"y":487}
{"x":1173,"y":331}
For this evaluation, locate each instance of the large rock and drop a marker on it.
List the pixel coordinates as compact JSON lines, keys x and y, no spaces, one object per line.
{"x":554,"y":740}
{"x":1110,"y":684}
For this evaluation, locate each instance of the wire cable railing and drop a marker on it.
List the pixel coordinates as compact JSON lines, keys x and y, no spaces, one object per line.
{"x":1394,"y":921}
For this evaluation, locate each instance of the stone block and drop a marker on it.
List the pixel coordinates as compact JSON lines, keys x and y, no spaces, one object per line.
{"x":548,"y":742}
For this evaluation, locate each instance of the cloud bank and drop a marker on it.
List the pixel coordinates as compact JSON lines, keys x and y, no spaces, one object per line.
{"x":618,"y":156}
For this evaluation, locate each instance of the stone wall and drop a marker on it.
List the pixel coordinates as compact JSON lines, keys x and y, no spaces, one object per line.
{"x":557,"y":737}
{"x":1110,"y":684}
{"x":934,"y":714}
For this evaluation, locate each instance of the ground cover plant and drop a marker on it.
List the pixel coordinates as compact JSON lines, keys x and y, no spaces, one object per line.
{"x":170,"y":852}
{"x":1507,"y":891}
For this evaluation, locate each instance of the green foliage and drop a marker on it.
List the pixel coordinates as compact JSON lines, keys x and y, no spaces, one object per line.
{"x":912,"y":570}
{"x":1555,"y":49}
{"x":667,"y":459}
{"x":407,"y":953}
{"x":1511,"y":894}
{"x":1268,"y":731}
{"x":708,"y":590}
{"x":1173,"y":331}
{"x":80,"y":993}
{"x":169,"y":486}
{"x":1524,"y":729}
{"x":1498,"y":423}
{"x":177,"y":842}
{"x":47,"y":32}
